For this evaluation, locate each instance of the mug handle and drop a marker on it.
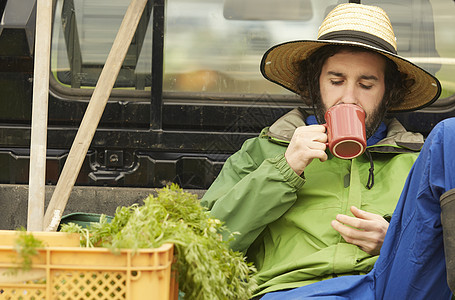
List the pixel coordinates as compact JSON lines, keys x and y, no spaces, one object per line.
{"x":326,"y":130}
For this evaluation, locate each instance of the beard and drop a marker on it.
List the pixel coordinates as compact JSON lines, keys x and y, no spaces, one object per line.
{"x":372,"y":120}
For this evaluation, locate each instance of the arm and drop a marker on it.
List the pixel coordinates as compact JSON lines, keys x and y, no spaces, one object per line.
{"x":253,"y":191}
{"x":247,"y":196}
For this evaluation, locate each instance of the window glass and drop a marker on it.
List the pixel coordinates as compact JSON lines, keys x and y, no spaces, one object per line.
{"x":83,"y":34}
{"x":216,"y":45}
{"x":444,"y":22}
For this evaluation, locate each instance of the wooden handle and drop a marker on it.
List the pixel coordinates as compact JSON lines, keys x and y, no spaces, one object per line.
{"x":93,"y":115}
{"x":38,"y":140}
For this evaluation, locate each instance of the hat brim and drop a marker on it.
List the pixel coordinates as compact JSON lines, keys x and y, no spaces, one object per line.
{"x":280,"y":64}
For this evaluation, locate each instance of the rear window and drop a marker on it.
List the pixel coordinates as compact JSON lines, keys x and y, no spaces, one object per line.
{"x":84,"y":31}
{"x":215,"y":46}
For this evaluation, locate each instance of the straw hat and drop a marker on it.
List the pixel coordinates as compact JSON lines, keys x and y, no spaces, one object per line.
{"x":358,"y":25}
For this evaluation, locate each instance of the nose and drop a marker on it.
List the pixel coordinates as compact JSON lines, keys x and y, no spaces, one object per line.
{"x":349,"y":94}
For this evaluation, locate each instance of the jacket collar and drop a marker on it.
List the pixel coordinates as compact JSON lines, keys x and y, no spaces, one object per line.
{"x":398,"y":139}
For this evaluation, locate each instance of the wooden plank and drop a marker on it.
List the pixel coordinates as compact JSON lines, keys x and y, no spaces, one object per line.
{"x":93,"y":115}
{"x":37,"y":175}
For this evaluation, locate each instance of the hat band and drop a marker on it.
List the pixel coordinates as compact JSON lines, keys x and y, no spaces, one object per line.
{"x":358,"y":37}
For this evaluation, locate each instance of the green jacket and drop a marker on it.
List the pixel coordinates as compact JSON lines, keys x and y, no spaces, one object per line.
{"x":283,"y":220}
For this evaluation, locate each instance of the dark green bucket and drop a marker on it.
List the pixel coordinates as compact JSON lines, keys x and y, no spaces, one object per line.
{"x":82,"y":219}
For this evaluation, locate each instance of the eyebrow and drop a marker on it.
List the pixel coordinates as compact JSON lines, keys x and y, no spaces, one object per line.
{"x":366,"y":77}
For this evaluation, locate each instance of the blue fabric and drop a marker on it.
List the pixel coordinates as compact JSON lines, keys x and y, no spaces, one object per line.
{"x":311,"y":120}
{"x":380,"y":133}
{"x":411,"y":264}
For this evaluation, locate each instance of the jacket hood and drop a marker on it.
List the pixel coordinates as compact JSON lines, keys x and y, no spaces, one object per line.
{"x":397,"y":140}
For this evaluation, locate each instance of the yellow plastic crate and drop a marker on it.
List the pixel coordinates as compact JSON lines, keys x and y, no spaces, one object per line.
{"x":69,"y":272}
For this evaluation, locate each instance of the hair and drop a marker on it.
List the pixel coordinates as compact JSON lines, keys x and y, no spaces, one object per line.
{"x":396,"y":83}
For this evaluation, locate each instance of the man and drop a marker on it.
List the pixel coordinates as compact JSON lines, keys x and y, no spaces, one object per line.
{"x":305,"y":216}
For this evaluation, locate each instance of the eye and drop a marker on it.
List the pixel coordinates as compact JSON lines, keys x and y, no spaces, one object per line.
{"x":336,"y":82}
{"x":366,"y":86}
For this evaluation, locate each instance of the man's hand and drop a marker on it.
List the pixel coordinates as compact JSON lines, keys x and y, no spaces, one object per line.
{"x":366,"y":230}
{"x":307,"y":143}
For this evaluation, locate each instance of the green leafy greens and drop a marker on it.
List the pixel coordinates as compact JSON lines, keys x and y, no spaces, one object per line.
{"x":207,"y":267}
{"x":26,"y":247}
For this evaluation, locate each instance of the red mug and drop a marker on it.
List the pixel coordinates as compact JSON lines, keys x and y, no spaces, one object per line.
{"x":346,"y":130}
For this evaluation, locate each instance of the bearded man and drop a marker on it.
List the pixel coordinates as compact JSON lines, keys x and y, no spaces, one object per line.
{"x":304,"y":215}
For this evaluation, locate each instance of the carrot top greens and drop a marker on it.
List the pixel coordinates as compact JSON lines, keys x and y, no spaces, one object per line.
{"x":207,"y":267}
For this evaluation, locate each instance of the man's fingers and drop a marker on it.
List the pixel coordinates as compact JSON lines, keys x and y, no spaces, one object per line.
{"x":364,"y":214}
{"x":357,"y":237}
{"x":317,"y":128}
{"x":366,"y":230}
{"x":307,"y":143}
{"x":352,"y":221}
{"x":314,"y":132}
{"x":363,"y":220}
{"x":348,"y":232}
{"x":370,"y":225}
{"x":316,"y":145}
